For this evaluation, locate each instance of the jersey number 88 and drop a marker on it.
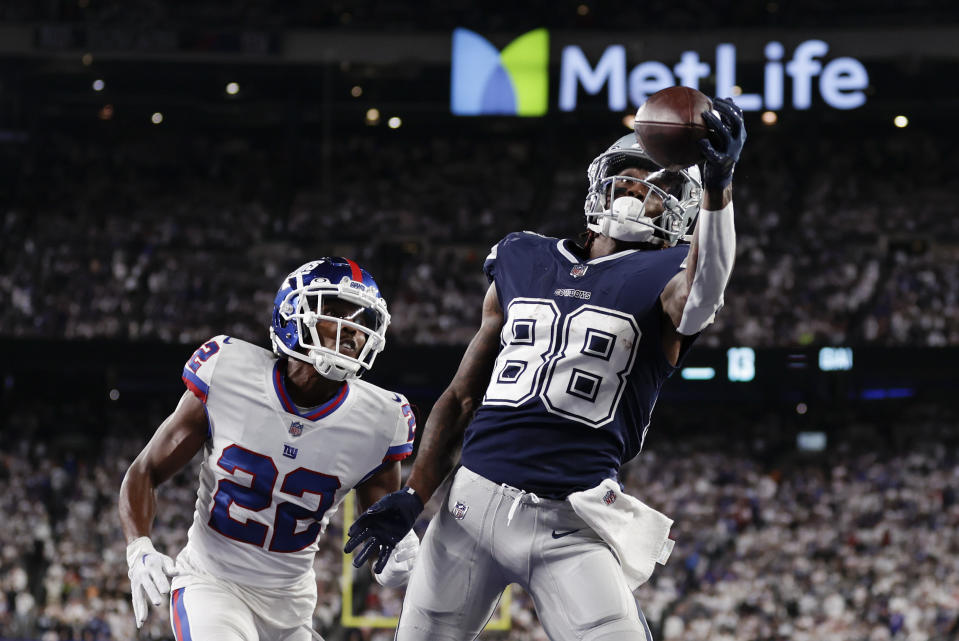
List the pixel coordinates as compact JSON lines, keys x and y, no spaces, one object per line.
{"x":585,"y":356}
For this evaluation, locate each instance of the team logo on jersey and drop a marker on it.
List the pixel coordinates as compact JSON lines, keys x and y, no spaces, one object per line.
{"x":296,"y":428}
{"x":609,"y":498}
{"x":573,"y":293}
{"x":289,"y":451}
{"x":459,"y":510}
{"x":578,"y":271}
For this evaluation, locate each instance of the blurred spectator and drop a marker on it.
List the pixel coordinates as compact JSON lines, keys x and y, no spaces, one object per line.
{"x":853,"y":544}
{"x":174,"y":237}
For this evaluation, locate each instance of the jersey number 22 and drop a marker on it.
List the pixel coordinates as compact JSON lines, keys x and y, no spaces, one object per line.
{"x":259,"y":496}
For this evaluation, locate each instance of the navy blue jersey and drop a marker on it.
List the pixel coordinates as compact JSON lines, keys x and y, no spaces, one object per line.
{"x":580,"y":364}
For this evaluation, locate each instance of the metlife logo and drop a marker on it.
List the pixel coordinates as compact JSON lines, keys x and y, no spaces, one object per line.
{"x":514,"y":81}
{"x":486,"y":81}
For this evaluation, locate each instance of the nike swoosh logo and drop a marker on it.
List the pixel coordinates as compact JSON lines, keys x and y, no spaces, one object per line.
{"x":559,"y":535}
{"x":396,"y":397}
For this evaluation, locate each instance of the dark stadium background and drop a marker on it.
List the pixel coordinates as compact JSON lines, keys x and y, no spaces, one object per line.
{"x":124,"y":244}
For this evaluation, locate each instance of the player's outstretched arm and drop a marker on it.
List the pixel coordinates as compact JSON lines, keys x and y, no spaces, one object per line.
{"x":175,"y":442}
{"x":443,"y":433}
{"x":390,"y":519}
{"x":693,"y":297}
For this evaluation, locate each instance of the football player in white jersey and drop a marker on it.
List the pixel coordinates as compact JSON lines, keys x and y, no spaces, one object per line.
{"x":284,"y":436}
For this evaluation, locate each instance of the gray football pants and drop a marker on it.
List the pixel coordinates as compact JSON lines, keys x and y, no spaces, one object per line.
{"x":489,"y":536}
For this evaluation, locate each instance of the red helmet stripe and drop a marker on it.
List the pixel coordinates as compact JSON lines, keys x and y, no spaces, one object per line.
{"x":355,"y":272}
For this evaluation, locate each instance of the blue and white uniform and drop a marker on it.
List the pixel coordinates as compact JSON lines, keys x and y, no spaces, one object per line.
{"x":272,"y":475}
{"x":580,"y":366}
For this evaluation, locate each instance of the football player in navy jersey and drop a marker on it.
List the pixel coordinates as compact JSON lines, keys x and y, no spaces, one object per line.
{"x":284,"y":436}
{"x":555,"y":393}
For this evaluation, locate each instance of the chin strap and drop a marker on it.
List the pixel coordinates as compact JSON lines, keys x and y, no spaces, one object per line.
{"x":714,"y":264}
{"x":333,"y":366}
{"x":627,"y":221}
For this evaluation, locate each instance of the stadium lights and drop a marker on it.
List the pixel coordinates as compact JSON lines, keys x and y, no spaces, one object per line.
{"x":741,"y":364}
{"x":697,"y":373}
{"x":232,"y":88}
{"x":87,"y":59}
{"x":880,"y":393}
{"x":98,"y":85}
{"x":106,"y":112}
{"x":156,"y":118}
{"x":833,"y":359}
{"x":900,"y":121}
{"x":372,"y":116}
{"x":356,"y":91}
{"x":770,"y":118}
{"x":811,"y":441}
{"x":628,"y":120}
{"x":395,"y":122}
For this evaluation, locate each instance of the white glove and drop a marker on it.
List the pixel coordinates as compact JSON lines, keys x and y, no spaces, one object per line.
{"x":400,"y":564}
{"x":148,"y":576}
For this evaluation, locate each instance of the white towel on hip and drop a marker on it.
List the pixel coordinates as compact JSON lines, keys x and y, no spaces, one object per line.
{"x":638,"y":534}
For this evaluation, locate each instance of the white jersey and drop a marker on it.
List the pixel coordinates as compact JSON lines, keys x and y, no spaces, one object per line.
{"x":272,"y":476}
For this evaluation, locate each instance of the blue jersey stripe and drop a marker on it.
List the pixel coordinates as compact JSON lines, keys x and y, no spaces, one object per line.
{"x":196,"y":384}
{"x":398,"y":452}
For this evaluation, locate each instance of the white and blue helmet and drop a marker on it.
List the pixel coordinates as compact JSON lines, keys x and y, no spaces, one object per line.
{"x":298,"y":308}
{"x":672,"y":196}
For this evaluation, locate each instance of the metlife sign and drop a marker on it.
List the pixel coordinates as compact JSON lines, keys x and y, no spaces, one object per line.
{"x":486,"y":81}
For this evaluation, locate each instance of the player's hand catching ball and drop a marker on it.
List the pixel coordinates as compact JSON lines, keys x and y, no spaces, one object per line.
{"x":727,"y":135}
{"x":383,"y":526}
{"x":148,"y":576}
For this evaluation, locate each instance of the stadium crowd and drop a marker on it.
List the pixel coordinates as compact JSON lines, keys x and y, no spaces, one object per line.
{"x":854,"y":543}
{"x":177,"y":237}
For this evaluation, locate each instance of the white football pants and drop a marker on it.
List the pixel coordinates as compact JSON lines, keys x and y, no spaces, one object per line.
{"x":489,"y":536}
{"x":204,"y":608}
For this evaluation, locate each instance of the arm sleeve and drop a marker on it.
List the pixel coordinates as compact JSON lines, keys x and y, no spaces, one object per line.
{"x":717,"y":252}
{"x":198,"y":369}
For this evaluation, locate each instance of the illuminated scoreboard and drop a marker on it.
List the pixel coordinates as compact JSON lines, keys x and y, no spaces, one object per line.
{"x":821,"y":373}
{"x":741,"y":364}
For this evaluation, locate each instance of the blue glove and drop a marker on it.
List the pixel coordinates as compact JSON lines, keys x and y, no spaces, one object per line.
{"x":729,"y":133}
{"x":383,"y":526}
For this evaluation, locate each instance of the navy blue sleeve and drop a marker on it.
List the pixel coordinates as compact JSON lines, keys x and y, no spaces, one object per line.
{"x":489,"y":266}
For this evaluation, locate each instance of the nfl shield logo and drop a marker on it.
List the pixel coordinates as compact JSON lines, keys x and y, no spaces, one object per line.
{"x":578,"y":271}
{"x":296,"y":428}
{"x":609,"y":498}
{"x":459,"y":510}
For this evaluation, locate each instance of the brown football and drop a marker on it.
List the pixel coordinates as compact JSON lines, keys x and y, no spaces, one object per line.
{"x":669,"y":124}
